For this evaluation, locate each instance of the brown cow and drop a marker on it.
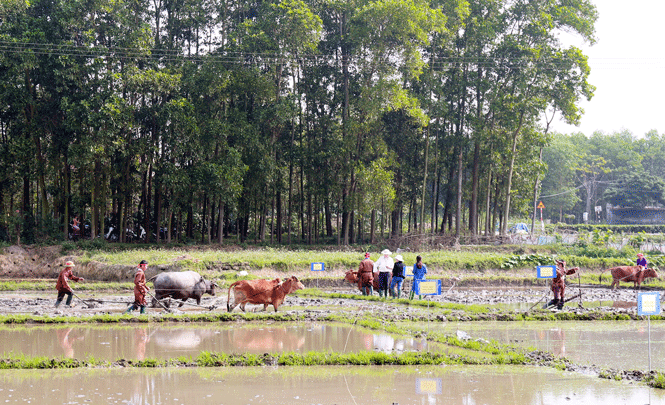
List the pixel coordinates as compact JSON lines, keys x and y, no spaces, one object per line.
{"x":636,"y":274}
{"x":266,"y":293}
{"x":352,"y":277}
{"x":245,"y":290}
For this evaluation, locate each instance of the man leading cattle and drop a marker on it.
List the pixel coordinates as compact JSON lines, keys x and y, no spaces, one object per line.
{"x":140,"y":288}
{"x":366,"y":275}
{"x":558,"y":285}
{"x":63,"y":286}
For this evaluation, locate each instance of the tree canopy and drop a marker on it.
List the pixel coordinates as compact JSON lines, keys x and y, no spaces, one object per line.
{"x":285,"y":120}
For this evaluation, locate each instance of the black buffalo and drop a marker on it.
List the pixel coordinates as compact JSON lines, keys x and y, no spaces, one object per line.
{"x":181,"y":286}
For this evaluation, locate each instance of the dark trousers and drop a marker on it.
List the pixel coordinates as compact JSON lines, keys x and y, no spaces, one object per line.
{"x":61,"y":295}
{"x":383,"y":280}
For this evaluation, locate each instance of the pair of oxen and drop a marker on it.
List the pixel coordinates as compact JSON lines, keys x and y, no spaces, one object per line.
{"x":189,"y":284}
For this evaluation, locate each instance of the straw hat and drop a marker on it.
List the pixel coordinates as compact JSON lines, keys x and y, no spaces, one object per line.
{"x":69,"y":264}
{"x":399,"y":258}
{"x":640,"y":255}
{"x":386,"y":252}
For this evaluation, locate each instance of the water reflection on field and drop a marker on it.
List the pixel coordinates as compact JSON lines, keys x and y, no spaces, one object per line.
{"x":171,"y":341}
{"x":616,"y":344}
{"x":319,"y":385}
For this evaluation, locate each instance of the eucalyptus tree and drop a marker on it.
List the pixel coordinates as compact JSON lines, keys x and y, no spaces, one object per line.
{"x":535,"y":70}
{"x":559,"y":184}
{"x":272,"y":38}
{"x":381,"y":49}
{"x":652,"y":150}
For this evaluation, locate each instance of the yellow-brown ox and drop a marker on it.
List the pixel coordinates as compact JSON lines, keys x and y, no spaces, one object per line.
{"x":261,"y":292}
{"x":636,"y":274}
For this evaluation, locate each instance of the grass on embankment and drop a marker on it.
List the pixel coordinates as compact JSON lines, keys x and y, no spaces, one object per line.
{"x":289,"y":261}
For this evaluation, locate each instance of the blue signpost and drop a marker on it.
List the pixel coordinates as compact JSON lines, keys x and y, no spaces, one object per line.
{"x":318,"y":266}
{"x":427,"y":287}
{"x":546,"y":271}
{"x":648,"y":304}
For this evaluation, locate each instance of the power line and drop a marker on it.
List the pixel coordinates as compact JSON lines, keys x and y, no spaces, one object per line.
{"x":498,"y":62}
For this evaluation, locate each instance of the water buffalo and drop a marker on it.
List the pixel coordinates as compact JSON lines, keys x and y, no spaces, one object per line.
{"x":181,"y":286}
{"x":265,"y":293}
{"x":636,"y":274}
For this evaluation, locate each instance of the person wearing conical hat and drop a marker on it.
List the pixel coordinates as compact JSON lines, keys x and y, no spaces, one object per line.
{"x":63,"y":286}
{"x":385,"y":266}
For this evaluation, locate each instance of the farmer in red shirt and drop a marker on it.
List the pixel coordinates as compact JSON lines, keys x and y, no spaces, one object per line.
{"x":140,"y":288}
{"x":63,"y":286}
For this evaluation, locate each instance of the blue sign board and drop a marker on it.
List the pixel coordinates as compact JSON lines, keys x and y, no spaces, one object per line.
{"x":648,"y":303}
{"x":546,"y":271}
{"x":427,"y":287}
{"x":318,"y":266}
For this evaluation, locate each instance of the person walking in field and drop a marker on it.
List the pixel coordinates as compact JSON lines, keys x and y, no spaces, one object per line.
{"x":63,"y":286}
{"x":398,"y":277}
{"x":385,"y":266}
{"x":366,"y":275}
{"x":419,"y":271}
{"x":642,"y":261}
{"x":140,"y":288}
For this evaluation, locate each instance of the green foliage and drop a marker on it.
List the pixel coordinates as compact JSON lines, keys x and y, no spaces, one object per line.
{"x":527,"y":260}
{"x":657,"y":380}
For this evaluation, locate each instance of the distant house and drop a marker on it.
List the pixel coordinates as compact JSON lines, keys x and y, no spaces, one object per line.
{"x":635,"y":216}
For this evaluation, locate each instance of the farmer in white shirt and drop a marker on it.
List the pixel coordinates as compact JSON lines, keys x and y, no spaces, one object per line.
{"x":385,"y":266}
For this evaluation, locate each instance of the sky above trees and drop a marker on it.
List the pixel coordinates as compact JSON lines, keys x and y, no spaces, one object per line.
{"x":627,"y":67}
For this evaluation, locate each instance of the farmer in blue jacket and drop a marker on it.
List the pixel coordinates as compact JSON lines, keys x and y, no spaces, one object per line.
{"x":419,"y":271}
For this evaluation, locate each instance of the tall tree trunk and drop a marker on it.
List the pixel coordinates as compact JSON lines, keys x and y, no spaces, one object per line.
{"x":509,"y":180}
{"x":535,"y":194}
{"x":158,"y":211}
{"x":278,"y":211}
{"x":473,"y":214}
{"x":220,"y":225}
{"x":328,"y":214}
{"x":489,"y":226}
{"x":67,"y":185}
{"x":435,"y":183}
{"x":460,"y":176}
{"x":146,"y":219}
{"x":422,"y":200}
{"x":372,"y":227}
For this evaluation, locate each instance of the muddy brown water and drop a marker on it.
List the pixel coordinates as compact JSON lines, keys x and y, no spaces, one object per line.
{"x":615,"y":344}
{"x":172,"y":341}
{"x":320,"y":385}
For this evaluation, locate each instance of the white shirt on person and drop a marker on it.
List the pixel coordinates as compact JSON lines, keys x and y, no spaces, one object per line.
{"x":384,"y":264}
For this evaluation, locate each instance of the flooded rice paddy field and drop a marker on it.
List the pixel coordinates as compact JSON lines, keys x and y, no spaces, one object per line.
{"x":606,"y":344}
{"x":620,"y":345}
{"x":320,"y":385}
{"x":166,"y":341}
